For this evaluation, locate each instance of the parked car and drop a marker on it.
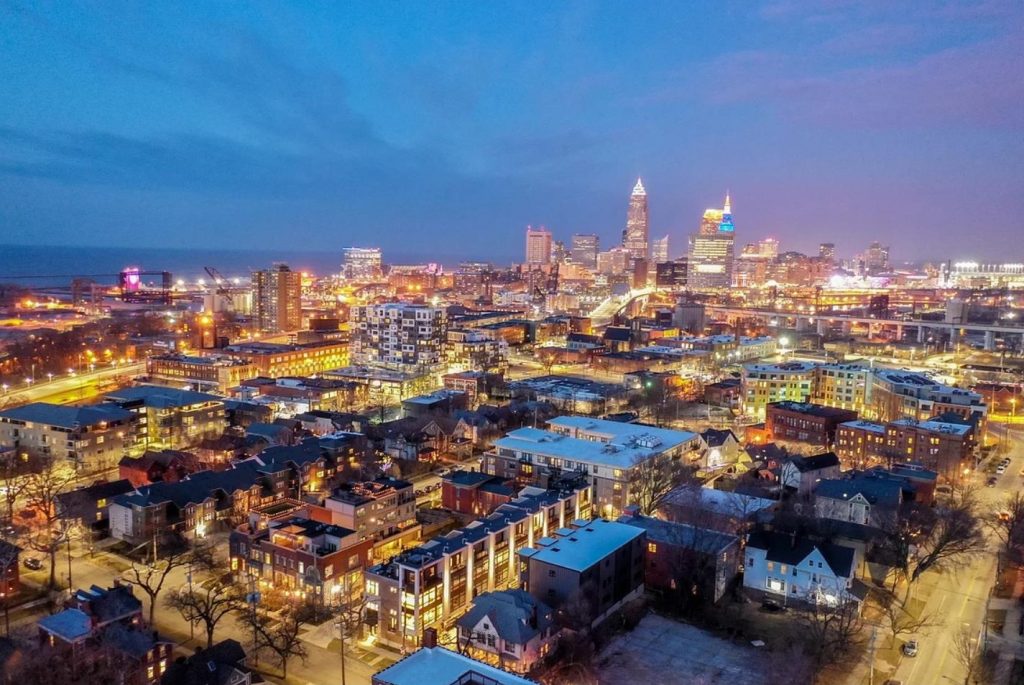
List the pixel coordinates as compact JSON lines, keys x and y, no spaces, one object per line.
{"x":910,"y":648}
{"x":992,"y":481}
{"x":33,"y":563}
{"x":771,"y":606}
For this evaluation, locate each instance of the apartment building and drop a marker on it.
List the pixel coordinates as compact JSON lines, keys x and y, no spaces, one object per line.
{"x":604,"y":451}
{"x":171,"y":418}
{"x":599,"y":561}
{"x":814,"y":424}
{"x":469,"y":349}
{"x":291,"y":359}
{"x":318,"y":560}
{"x":433,"y":584}
{"x":843,"y":386}
{"x":382,"y":511}
{"x":763,"y":384}
{"x":896,"y":394}
{"x":944,"y":444}
{"x":397,"y":336}
{"x":93,"y":434}
{"x":214,"y":373}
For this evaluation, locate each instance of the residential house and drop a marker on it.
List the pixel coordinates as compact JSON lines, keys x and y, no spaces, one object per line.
{"x":803,"y":473}
{"x":221,"y":664}
{"x":864,"y":498}
{"x":167,"y":466}
{"x":721,"y":449}
{"x":475,"y":493}
{"x":793,"y":569}
{"x":88,"y":506}
{"x":510,"y":629}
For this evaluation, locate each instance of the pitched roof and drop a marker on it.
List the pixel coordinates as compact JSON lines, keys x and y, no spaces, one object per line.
{"x":70,"y":625}
{"x":815,"y":463}
{"x":876,"y":490}
{"x":786,"y":548}
{"x":681,"y":534}
{"x":82,"y":502}
{"x":511,"y":613}
{"x":161,"y":396}
{"x":431,"y":665}
{"x":717,"y":438}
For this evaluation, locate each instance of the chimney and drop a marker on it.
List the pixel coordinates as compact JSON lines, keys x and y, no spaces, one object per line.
{"x":430,"y":638}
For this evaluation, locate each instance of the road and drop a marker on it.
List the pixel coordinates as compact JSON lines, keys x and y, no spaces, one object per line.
{"x":960,"y":597}
{"x":69,"y":389}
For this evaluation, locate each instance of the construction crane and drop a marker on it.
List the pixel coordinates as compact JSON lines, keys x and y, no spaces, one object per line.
{"x":219,"y":281}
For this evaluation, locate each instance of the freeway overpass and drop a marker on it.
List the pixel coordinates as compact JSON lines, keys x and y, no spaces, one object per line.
{"x":70,"y":388}
{"x":803,"y":321}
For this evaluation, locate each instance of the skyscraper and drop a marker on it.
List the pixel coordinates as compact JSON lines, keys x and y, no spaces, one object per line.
{"x":827,"y":251}
{"x":538,"y":245}
{"x":277,"y":299}
{"x":659,"y":251}
{"x":634,"y":237}
{"x":585,"y":247}
{"x":711,"y":249}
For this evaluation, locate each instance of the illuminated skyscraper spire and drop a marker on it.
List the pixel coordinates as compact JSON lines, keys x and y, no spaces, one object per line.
{"x":634,"y":237}
{"x":727,"y":209}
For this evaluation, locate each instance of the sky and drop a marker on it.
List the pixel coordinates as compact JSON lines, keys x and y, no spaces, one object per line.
{"x":441,"y":129}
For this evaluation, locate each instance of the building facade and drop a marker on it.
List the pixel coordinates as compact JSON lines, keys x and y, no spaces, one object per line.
{"x":584,"y":249}
{"x":400,"y":337}
{"x":277,"y":299}
{"x":813,"y":424}
{"x":538,"y":246}
{"x":763,"y":384}
{"x":92,"y":434}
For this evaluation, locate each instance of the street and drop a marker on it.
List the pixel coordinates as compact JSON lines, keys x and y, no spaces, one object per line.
{"x":959,"y":598}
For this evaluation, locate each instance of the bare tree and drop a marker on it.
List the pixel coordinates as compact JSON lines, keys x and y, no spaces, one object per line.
{"x":205,"y":605}
{"x":150,"y":576}
{"x":833,"y":630}
{"x":969,"y":653}
{"x":280,"y":638}
{"x":651,"y":478}
{"x":948,"y":540}
{"x":41,"y":492}
{"x":898,"y":620}
{"x":1008,"y":523}
{"x":788,"y":666}
{"x":16,"y":471}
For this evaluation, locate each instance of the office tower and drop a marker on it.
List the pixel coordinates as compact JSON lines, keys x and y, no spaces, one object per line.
{"x":558,"y":252}
{"x":277,"y":299}
{"x":538,"y":245}
{"x":397,"y":336}
{"x":876,"y":258}
{"x":671,"y":274}
{"x":585,"y":247}
{"x":659,"y":251}
{"x":361,"y":263}
{"x":827,"y":251}
{"x":769,"y":248}
{"x":711,"y":249}
{"x":634,"y":237}
{"x":613,"y":261}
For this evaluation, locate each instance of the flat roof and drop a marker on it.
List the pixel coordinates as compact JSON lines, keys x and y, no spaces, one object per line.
{"x":960,"y":429}
{"x":865,"y":425}
{"x":586,"y":546}
{"x":617,"y":454}
{"x":65,"y":416}
{"x":161,"y":396}
{"x":440,"y":666}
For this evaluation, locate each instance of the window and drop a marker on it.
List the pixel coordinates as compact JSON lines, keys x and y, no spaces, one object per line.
{"x":551,"y":573}
{"x":652,"y":548}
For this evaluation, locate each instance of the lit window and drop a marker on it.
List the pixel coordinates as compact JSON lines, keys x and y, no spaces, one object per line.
{"x":652,"y":548}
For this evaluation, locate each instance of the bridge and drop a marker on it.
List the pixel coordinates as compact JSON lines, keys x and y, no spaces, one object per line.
{"x":803,"y":321}
{"x":604,"y":313}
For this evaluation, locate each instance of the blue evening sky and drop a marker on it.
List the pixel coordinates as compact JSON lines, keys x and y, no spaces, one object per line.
{"x":443,"y":128}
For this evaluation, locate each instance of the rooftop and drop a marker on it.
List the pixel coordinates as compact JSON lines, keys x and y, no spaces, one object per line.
{"x":585,"y":546}
{"x":440,"y":666}
{"x":865,"y":425}
{"x":811,"y":409}
{"x":512,"y":613}
{"x":934,"y":426}
{"x":681,"y":534}
{"x":782,"y":367}
{"x":161,"y":396}
{"x":786,"y":548}
{"x":64,"y":416}
{"x":69,"y":625}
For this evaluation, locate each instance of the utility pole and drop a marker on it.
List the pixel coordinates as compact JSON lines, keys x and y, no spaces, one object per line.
{"x":871,"y":663}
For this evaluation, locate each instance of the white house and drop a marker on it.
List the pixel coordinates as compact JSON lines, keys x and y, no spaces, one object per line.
{"x":866,"y":500}
{"x":803,"y":473}
{"x":790,"y":568}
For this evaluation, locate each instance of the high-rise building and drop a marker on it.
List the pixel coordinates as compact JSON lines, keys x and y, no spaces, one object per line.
{"x":635,"y":236}
{"x":827,"y":251}
{"x":277,"y":299}
{"x":769,"y":248}
{"x":361,"y":263}
{"x":671,"y":274}
{"x":876,"y":258}
{"x":538,"y":245}
{"x":711,"y":249}
{"x":659,"y":251}
{"x":585,"y":247}
{"x":398,"y":336}
{"x":613,"y":261}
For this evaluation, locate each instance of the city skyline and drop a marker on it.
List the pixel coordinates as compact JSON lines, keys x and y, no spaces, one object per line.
{"x":837,"y":124}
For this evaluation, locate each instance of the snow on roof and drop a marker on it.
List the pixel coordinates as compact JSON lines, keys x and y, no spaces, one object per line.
{"x":443,"y":667}
{"x":586,"y":546}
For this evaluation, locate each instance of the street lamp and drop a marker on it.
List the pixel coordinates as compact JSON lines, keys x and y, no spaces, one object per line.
{"x":49,"y":377}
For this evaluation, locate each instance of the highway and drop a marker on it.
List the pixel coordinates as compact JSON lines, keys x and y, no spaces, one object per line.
{"x":71,"y":388}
